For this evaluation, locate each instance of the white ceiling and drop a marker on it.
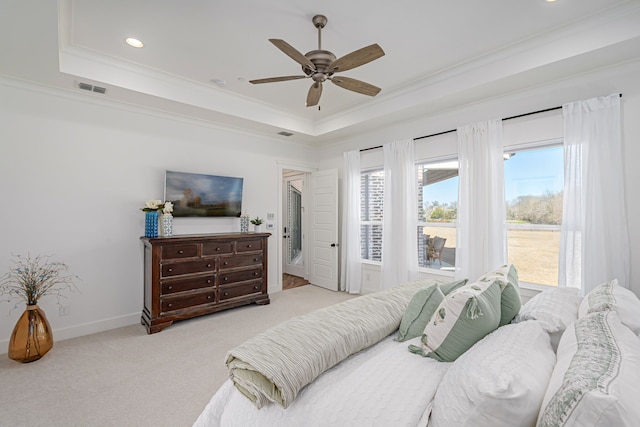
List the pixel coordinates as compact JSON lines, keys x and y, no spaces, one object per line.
{"x":438,"y":54}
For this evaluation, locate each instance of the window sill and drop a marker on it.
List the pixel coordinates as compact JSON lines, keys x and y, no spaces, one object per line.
{"x":535,"y":286}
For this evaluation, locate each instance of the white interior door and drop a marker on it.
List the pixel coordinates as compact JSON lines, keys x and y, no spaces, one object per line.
{"x":324,"y":229}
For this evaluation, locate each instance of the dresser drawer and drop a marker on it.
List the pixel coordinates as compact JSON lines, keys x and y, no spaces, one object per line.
{"x":239,"y":276}
{"x":217,"y":248}
{"x":248,"y":245}
{"x":227,"y":292}
{"x":179,"y":251}
{"x":173,"y":286}
{"x":176,"y":303}
{"x":239,"y":261}
{"x":188,"y":267}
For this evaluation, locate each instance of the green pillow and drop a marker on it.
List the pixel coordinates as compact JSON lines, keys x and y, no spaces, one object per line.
{"x":463,"y":318}
{"x":449,"y":287}
{"x":422,"y":306}
{"x":419,"y":311}
{"x":510,"y":302}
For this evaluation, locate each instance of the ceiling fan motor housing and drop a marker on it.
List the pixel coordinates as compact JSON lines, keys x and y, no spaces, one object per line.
{"x":322,"y":59}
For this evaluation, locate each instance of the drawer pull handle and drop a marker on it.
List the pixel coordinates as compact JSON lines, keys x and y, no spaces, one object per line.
{"x":256,"y":287}
{"x":209,"y":297}
{"x":256,"y":259}
{"x":170,"y":305}
{"x":180,"y":251}
{"x":255,"y":273}
{"x":170,"y":270}
{"x":225,"y":263}
{"x":248,"y":246}
{"x":217,"y":249}
{"x":170,"y":287}
{"x":226,"y":278}
{"x":226,"y":294}
{"x":208,"y":265}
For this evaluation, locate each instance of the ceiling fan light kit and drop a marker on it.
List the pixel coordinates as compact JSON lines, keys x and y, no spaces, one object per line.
{"x":321,"y":65}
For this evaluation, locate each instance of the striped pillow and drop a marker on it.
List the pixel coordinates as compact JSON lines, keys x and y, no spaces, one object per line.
{"x":595,"y":380}
{"x":612,"y":296}
{"x":464,"y":317}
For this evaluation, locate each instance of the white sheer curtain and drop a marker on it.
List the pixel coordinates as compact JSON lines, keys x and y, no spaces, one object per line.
{"x":400,"y":215}
{"x":480,"y":235}
{"x":351,"y":275}
{"x":594,"y":245}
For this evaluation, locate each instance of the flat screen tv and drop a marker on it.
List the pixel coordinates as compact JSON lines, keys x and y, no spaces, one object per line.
{"x":194,"y":194}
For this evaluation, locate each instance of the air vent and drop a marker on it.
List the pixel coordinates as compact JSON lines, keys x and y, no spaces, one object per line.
{"x":284,"y":133}
{"x":92,"y":88}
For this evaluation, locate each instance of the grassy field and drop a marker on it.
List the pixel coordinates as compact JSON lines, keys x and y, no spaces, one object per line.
{"x":533,"y":252}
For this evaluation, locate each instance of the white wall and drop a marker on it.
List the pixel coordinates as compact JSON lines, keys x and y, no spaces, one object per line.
{"x":75,"y":171}
{"x":622,"y":78}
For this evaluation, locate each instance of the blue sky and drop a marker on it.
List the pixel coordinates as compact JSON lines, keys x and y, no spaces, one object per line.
{"x":528,"y":173}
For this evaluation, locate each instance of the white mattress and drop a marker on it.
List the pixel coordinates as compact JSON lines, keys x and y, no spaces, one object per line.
{"x":385,"y":385}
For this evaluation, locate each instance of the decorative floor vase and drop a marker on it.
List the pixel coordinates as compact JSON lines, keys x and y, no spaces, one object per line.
{"x":166,"y":225}
{"x":31,"y":338}
{"x":151,"y":224}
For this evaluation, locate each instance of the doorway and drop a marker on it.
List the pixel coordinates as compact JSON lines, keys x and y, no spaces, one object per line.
{"x":293,"y":231}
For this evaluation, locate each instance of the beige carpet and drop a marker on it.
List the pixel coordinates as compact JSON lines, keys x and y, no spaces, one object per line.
{"x":125,"y":377}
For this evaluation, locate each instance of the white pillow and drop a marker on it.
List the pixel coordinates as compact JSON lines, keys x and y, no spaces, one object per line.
{"x":612,"y":296}
{"x":500,"y":381}
{"x":595,"y":381}
{"x":556,"y":308}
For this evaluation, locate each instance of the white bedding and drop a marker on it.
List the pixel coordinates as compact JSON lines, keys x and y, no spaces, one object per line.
{"x":384,"y":385}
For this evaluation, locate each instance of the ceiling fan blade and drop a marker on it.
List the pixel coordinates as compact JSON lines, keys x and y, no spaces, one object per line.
{"x":277,"y":79}
{"x":293,"y":53}
{"x":356,"y":85}
{"x":357,"y":58}
{"x":313,"y":97}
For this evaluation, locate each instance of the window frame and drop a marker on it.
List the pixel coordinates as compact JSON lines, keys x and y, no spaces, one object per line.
{"x":420,"y":223}
{"x":518,"y":148}
{"x":379,"y":222}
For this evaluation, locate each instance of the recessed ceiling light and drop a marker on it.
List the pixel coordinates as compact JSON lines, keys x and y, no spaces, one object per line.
{"x":550,"y":1}
{"x":134,"y":42}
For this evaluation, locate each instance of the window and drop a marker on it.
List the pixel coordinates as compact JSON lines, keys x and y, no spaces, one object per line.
{"x":372,"y":194}
{"x":534,"y":183}
{"x":437,"y":214}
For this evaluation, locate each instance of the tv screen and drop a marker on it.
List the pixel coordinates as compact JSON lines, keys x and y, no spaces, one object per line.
{"x":194,"y":194}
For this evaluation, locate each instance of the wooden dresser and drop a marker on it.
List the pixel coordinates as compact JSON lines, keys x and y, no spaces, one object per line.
{"x":191,"y":275}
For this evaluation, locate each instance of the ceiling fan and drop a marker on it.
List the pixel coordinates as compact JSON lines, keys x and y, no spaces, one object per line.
{"x":320,"y":65}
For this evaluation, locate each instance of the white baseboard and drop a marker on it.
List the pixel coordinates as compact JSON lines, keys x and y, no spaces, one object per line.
{"x":86,"y":329}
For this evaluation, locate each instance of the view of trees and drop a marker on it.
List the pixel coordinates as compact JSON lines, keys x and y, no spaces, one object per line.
{"x":546,"y":209}
{"x":441,"y":212}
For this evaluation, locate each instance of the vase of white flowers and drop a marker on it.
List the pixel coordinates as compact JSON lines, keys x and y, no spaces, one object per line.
{"x":166,"y":220}
{"x":150,"y":210}
{"x":29,"y":279}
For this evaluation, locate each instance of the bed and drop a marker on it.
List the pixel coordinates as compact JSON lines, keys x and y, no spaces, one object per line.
{"x":383,"y":360}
